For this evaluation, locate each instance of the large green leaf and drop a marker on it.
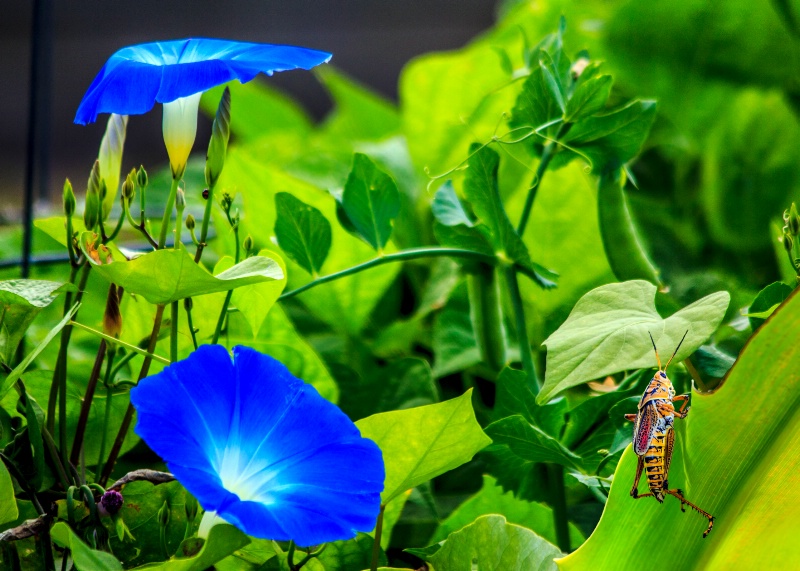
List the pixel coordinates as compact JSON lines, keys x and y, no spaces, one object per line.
{"x":607,"y":332}
{"x":743,"y":472}
{"x":302,"y":232}
{"x":530,"y":442}
{"x":421,"y":443}
{"x":492,"y":544}
{"x":492,"y":500}
{"x":84,"y":557}
{"x":371,"y":201}
{"x":590,"y":96}
{"x":170,"y":275}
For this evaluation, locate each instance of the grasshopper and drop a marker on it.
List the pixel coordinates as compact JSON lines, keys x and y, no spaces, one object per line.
{"x":654,"y":437}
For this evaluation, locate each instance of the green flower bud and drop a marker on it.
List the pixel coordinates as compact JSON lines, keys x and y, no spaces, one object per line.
{"x":128,"y":189}
{"x":248,"y":243}
{"x":164,"y":515}
{"x":190,"y":222}
{"x":188,"y":304}
{"x":226,"y":202}
{"x":112,"y":318}
{"x":180,"y":200}
{"x":91,"y":211}
{"x":69,"y":199}
{"x":191,"y":506}
{"x":141,"y":177}
{"x":110,"y":158}
{"x":220,"y":134}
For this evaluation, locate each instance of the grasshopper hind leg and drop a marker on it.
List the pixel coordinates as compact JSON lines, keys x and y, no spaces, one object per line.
{"x":684,"y":502}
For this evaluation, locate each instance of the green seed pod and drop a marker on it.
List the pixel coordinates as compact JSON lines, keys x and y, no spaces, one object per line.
{"x":190,"y":222}
{"x":248,"y":243}
{"x":180,"y":200}
{"x":220,"y":134}
{"x":68,"y":199}
{"x":128,"y":189}
{"x":141,"y":177}
{"x":112,"y":318}
{"x":486,"y":314}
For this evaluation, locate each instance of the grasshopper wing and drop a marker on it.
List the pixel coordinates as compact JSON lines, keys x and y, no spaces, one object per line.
{"x":644,"y":428}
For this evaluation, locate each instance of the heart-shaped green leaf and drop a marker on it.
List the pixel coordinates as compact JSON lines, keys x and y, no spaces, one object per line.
{"x":302,"y":232}
{"x":170,"y":275}
{"x":371,"y":201}
{"x":735,"y":457}
{"x":83,"y":556}
{"x":607,"y":332}
{"x":421,"y":443}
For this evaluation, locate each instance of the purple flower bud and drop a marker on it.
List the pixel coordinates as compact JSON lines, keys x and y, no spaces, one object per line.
{"x":111,"y":501}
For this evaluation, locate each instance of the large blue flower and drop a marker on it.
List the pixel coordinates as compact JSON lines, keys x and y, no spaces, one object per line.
{"x":176,"y":73}
{"x":260,"y":447}
{"x":136,"y":77}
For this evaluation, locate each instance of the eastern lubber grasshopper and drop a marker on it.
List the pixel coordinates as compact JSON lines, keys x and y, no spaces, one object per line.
{"x":654,"y":437}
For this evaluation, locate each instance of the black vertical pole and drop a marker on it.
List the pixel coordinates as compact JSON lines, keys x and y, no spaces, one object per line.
{"x":36,"y":161}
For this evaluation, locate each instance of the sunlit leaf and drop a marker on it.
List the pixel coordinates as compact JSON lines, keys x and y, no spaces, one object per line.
{"x":302,"y":232}
{"x":607,"y":332}
{"x":371,"y":201}
{"x":84,"y":557}
{"x":420,"y":443}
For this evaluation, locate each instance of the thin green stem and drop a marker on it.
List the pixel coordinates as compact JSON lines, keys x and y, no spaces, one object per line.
{"x":528,"y":366}
{"x":122,"y":362}
{"x":126,"y":420}
{"x":134,"y":348}
{"x":405,"y":255}
{"x":204,"y":225}
{"x":173,"y":192}
{"x":117,"y":228}
{"x":140,"y":226}
{"x":547,"y":155}
{"x":188,"y":307}
{"x":376,"y":542}
{"x":173,"y":332}
{"x":223,"y":314}
{"x":558,"y":501}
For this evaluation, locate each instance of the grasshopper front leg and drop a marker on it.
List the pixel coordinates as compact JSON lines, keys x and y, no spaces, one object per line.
{"x":684,"y":410}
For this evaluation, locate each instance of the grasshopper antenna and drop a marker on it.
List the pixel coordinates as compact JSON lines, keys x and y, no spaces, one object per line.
{"x":676,"y":349}
{"x":656,"y":350}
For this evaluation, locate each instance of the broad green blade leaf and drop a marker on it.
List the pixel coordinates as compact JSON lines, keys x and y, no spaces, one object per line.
{"x":352,"y":555}
{"x":535,"y":105}
{"x":170,"y":275}
{"x":447,"y":208}
{"x":12,"y":377}
{"x":553,"y":73}
{"x":8,"y":503}
{"x":84,"y":557}
{"x":492,"y":500}
{"x":742,"y":472}
{"x":607,"y":332}
{"x":482,"y":192}
{"x":56,"y":227}
{"x":611,"y":140}
{"x":302,"y":232}
{"x":530,"y":442}
{"x":20,"y":303}
{"x":589,"y":97}
{"x":421,"y":443}
{"x":492,"y":544}
{"x":767,"y":300}
{"x":371,"y":201}
{"x":469,"y":237}
{"x":222,"y":541}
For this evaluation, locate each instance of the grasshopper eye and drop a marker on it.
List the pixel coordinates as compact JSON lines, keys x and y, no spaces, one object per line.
{"x":663,"y":375}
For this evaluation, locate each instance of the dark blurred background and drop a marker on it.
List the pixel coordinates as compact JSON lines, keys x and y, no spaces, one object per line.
{"x":370,"y":40}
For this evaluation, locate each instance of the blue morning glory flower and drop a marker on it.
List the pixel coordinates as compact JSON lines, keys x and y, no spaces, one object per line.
{"x":260,"y":447}
{"x":176,"y":73}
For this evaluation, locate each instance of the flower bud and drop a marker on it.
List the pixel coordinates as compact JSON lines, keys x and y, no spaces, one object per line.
{"x":179,"y":127}
{"x":69,"y":199}
{"x":226,"y":201}
{"x":220,"y":134}
{"x":188,"y":304}
{"x":128,"y":189}
{"x":110,"y":158}
{"x":111,"y":502}
{"x":141,"y":177}
{"x":180,"y":200}
{"x":788,"y":242}
{"x":91,"y":211}
{"x":190,"y":222}
{"x":248,"y":243}
{"x":794,"y":220}
{"x":112,"y":318}
{"x":163,"y":515}
{"x":191,"y":507}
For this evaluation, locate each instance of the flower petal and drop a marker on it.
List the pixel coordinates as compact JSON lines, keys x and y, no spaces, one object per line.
{"x":135,"y":77}
{"x":261,"y":447}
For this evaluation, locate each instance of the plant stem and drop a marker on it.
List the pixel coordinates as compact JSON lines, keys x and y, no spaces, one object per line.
{"x":107,"y":415}
{"x":173,"y":332}
{"x":86,"y":405}
{"x":133,"y":348}
{"x":558,"y":501}
{"x":60,"y":375}
{"x":173,"y":192}
{"x":376,"y":543}
{"x":188,"y":308}
{"x":522,"y":331}
{"x":204,"y":226}
{"x":224,"y":313}
{"x":126,"y":420}
{"x":411,"y":254}
{"x":544,"y":162}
